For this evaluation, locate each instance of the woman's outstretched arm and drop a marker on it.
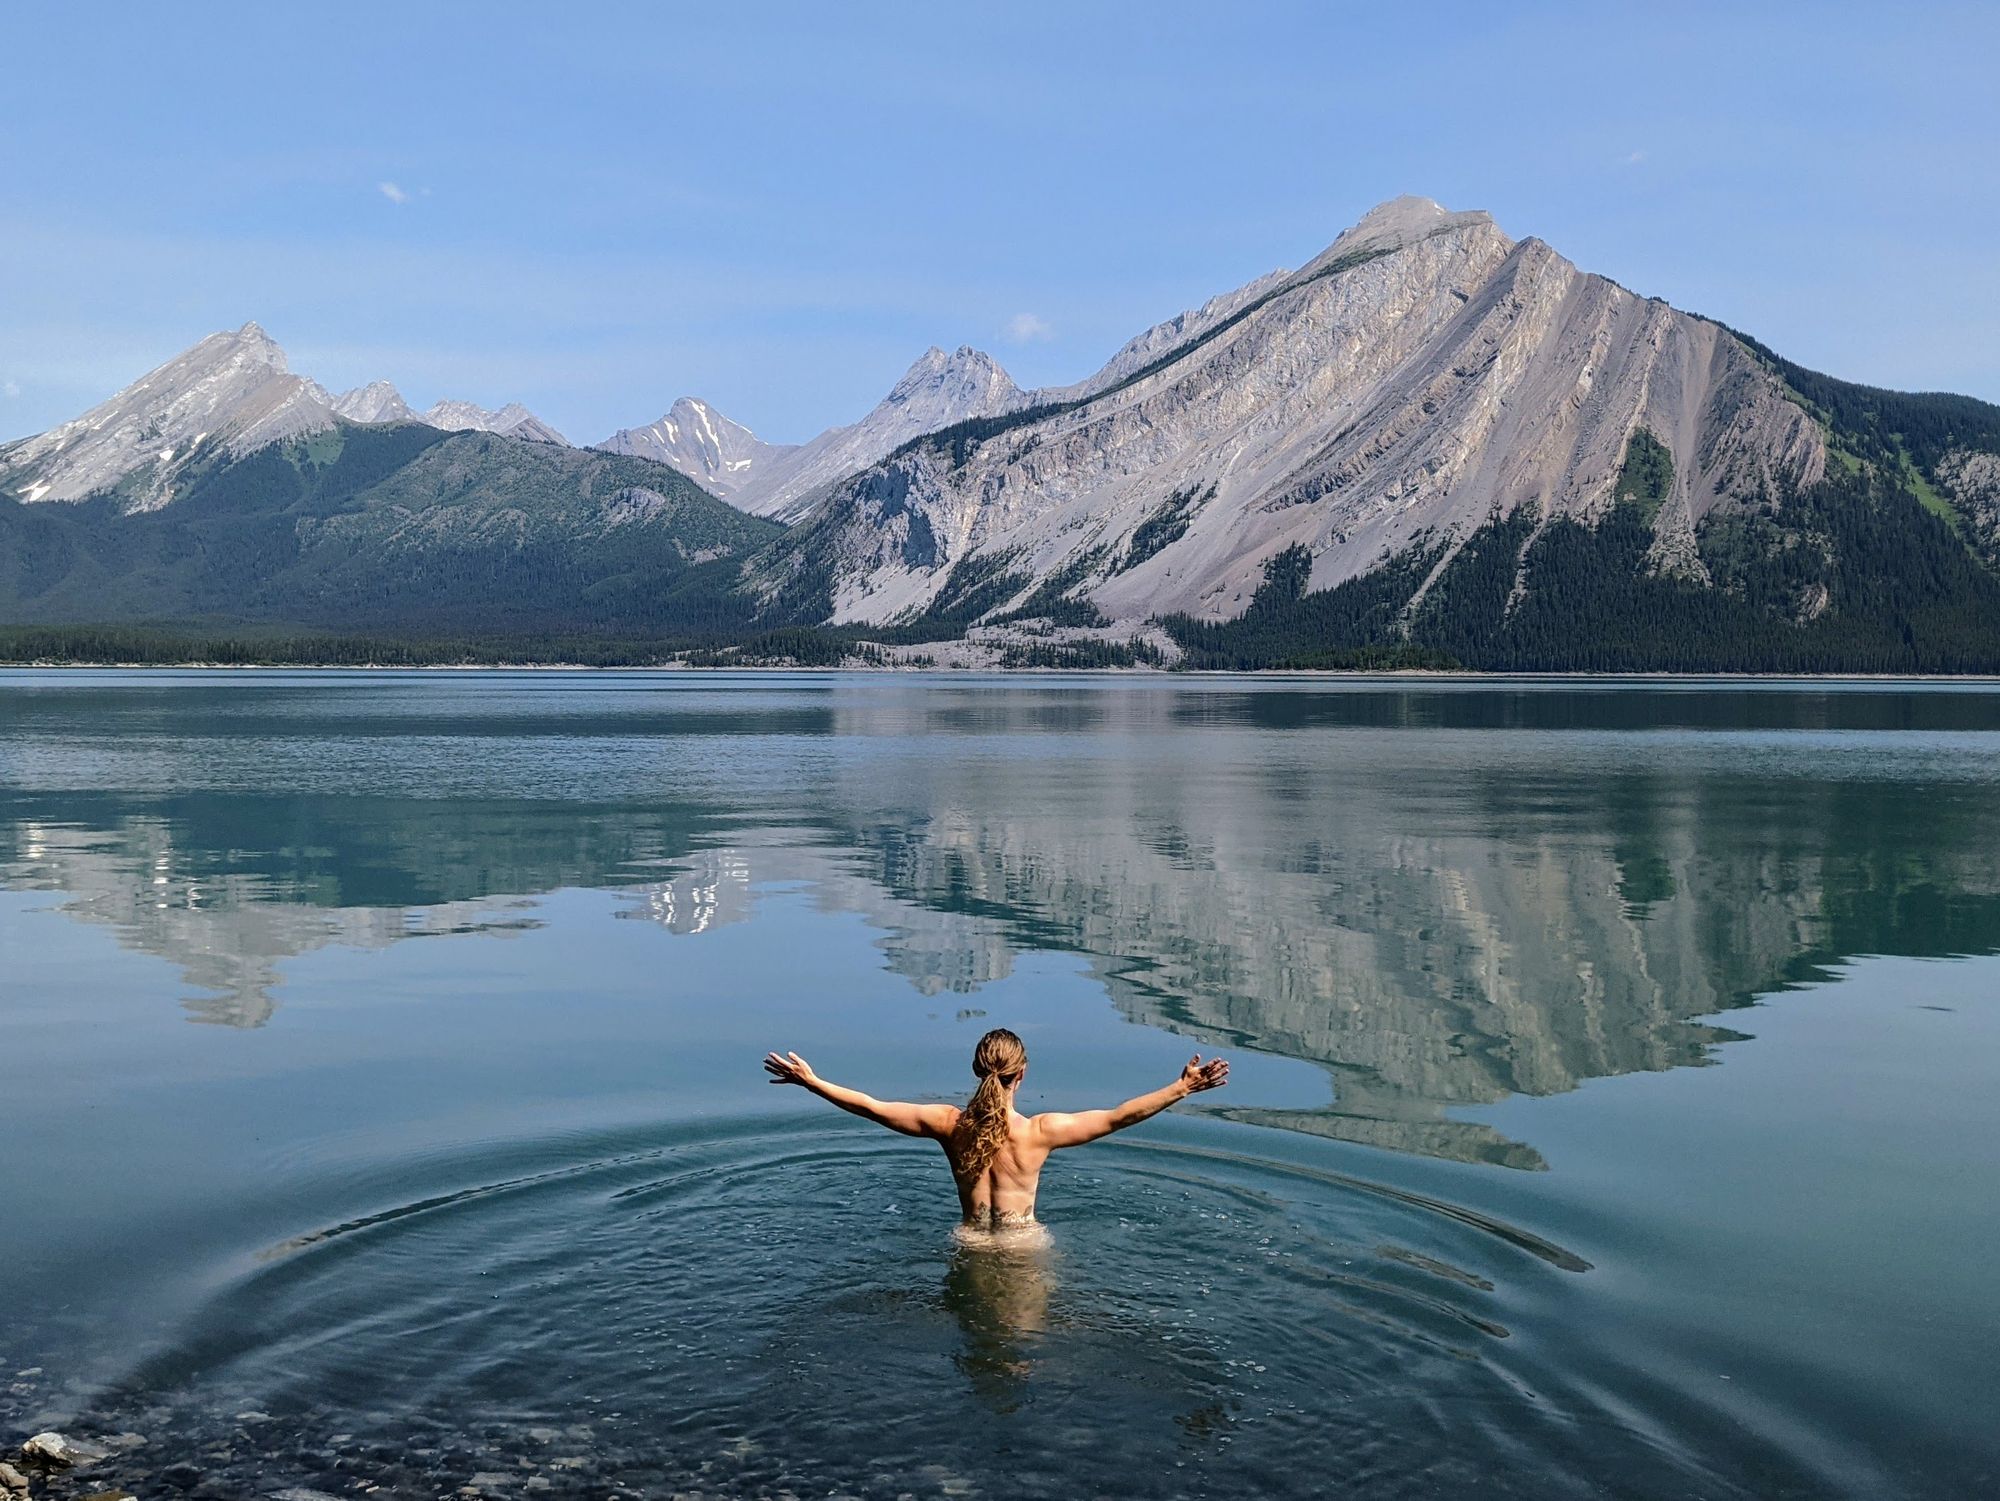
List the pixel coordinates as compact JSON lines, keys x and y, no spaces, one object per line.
{"x":897,"y":1115}
{"x":1059,"y":1130}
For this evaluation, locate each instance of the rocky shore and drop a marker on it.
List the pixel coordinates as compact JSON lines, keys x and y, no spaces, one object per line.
{"x":263,"y":1458}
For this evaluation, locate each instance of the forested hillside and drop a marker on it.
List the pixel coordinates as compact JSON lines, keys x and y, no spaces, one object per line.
{"x":393,"y":532}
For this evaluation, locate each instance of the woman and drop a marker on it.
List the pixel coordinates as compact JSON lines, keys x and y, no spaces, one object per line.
{"x":996,"y":1153}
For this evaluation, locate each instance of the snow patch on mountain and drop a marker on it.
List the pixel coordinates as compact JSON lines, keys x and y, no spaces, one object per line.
{"x":721,"y":456}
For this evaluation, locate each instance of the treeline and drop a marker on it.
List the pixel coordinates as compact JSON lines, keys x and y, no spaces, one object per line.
{"x":1350,"y":627}
{"x":1090,"y":653}
{"x":20,"y":645}
{"x":1882,"y":425}
{"x":1855,"y":575}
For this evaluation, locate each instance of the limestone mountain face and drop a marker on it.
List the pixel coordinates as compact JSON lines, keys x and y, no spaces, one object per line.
{"x":725,"y":458}
{"x":1972,"y":481}
{"x":786,"y":482}
{"x":378,"y":401}
{"x":231,"y":390}
{"x":229,"y":395}
{"x":1422,"y":375}
{"x":511,"y":421}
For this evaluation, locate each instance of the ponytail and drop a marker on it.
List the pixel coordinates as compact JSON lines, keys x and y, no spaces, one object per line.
{"x":999,"y":1061}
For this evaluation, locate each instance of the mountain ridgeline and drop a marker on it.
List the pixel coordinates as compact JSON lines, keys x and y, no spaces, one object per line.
{"x":397,"y":532}
{"x":1432,"y":445}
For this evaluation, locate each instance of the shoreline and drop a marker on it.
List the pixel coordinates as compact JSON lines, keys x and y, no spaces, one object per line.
{"x":1424,"y":674}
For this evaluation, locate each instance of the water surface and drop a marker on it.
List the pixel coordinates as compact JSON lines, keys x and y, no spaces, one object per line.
{"x":1614,"y":1109}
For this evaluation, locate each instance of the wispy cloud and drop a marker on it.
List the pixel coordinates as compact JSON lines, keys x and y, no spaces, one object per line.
{"x":393,"y":193}
{"x":1029,"y":328}
{"x":1632,"y":159}
{"x":10,"y":389}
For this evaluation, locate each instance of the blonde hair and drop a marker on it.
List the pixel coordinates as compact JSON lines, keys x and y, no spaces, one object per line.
{"x":998,"y":1060}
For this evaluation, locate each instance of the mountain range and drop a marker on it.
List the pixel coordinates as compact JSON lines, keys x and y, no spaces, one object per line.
{"x":784,"y":481}
{"x":1431,"y":443}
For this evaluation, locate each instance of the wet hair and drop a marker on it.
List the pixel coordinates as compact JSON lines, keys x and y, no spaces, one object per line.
{"x":998,"y":1061}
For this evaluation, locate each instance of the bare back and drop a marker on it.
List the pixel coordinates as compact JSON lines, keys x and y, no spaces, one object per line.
{"x":1003,"y":1192}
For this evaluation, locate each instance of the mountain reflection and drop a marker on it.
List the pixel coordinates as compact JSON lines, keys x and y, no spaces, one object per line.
{"x":226,"y":889}
{"x":1531,"y":891}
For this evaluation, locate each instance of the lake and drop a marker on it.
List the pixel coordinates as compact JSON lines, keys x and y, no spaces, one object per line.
{"x":1613,"y":1107}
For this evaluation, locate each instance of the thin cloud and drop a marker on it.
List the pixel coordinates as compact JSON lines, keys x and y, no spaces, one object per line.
{"x":1029,"y":328}
{"x":1633,"y":159}
{"x":393,"y":193}
{"x":10,"y":389}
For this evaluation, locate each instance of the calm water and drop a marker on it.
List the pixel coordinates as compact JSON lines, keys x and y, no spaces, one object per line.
{"x":1616,"y":1103}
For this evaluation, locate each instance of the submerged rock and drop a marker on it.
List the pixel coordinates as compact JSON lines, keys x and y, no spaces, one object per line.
{"x":53,"y":1451}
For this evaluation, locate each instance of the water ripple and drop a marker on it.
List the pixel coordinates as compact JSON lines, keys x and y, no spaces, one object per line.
{"x":749,"y":1307}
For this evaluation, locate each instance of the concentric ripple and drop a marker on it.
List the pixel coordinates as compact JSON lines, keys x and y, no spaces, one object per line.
{"x":770,"y":1307}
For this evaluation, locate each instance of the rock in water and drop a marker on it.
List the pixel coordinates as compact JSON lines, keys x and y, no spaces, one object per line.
{"x":54,"y":1452}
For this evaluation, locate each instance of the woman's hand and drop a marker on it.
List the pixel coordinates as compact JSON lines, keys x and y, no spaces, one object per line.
{"x":1198,"y":1076}
{"x":790,"y":1068}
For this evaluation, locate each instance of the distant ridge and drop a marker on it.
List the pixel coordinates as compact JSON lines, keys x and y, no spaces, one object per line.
{"x":783,"y":481}
{"x":1431,"y":444}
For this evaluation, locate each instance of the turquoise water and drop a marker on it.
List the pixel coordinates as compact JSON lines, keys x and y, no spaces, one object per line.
{"x":1613,"y":1109}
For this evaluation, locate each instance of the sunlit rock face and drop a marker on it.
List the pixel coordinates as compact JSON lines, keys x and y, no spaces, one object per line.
{"x":725,"y":458}
{"x":232,"y":392}
{"x":1972,"y":480}
{"x":378,"y":401}
{"x":510,"y":421}
{"x":1423,"y":374}
{"x":228,"y":395}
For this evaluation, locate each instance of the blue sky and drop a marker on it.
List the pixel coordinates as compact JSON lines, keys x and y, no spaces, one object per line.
{"x":595,"y":209}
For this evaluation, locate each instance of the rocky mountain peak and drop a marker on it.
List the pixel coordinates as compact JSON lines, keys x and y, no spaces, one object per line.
{"x":252,"y":336}
{"x":1397,"y":223}
{"x":721,"y":456}
{"x":950,"y":387}
{"x":1422,"y":375}
{"x":707,"y":427}
{"x":232,"y":388}
{"x":244,"y":348}
{"x":784,"y":480}
{"x":378,"y":401}
{"x":512,"y":420}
